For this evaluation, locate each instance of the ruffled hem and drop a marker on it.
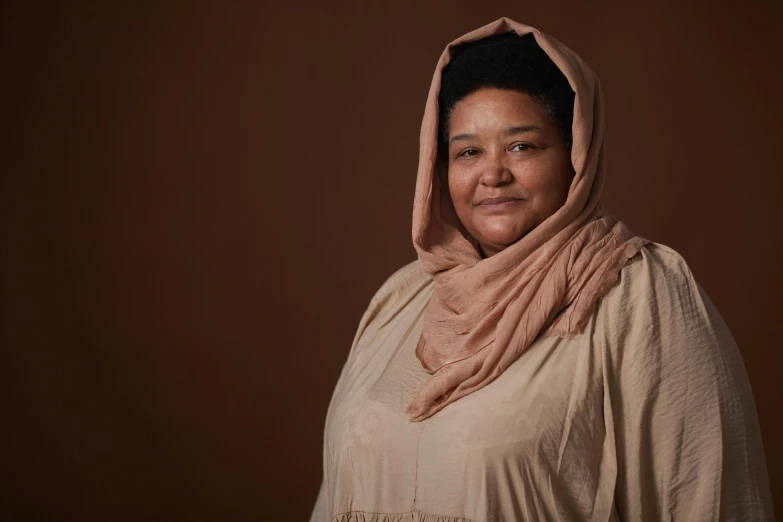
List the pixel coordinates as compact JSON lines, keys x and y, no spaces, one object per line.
{"x":408,"y":516}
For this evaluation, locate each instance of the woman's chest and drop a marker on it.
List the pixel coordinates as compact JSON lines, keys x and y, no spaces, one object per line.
{"x":539,"y":426}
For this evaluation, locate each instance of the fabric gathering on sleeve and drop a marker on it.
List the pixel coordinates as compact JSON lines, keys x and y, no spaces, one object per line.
{"x":687,"y":437}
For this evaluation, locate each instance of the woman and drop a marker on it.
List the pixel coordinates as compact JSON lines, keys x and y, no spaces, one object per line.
{"x":538,"y":361}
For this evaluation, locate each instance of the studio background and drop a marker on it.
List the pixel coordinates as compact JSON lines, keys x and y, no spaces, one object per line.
{"x":185,"y":185}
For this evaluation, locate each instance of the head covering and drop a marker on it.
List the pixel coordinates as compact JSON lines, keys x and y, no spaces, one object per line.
{"x":485,"y":312}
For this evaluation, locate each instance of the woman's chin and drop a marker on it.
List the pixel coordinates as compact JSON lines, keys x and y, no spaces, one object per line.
{"x":500,"y":240}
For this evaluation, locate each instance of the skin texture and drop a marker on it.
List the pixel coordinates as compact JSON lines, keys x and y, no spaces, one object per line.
{"x":502,"y":144}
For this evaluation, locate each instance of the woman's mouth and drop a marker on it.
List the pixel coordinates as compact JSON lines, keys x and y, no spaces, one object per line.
{"x":499,"y":203}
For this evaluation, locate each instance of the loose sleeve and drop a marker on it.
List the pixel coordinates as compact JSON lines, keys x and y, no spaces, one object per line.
{"x":678,"y":402}
{"x":321,"y":511}
{"x":375,"y":310}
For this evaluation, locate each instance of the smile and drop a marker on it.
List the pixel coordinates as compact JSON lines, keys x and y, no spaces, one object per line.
{"x":501,"y":203}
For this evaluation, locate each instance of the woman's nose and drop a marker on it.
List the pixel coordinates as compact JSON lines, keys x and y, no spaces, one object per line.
{"x":496,"y":171}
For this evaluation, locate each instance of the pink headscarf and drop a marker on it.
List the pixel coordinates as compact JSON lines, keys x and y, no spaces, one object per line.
{"x":485,"y":312}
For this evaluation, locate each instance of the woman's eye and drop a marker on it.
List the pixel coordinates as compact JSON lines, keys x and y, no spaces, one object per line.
{"x":467,"y":153}
{"x":519,"y":147}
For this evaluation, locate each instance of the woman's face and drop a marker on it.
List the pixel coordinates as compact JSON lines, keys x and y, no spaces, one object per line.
{"x":508,"y":166}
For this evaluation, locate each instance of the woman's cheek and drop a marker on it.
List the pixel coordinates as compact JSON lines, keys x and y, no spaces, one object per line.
{"x":460,"y":186}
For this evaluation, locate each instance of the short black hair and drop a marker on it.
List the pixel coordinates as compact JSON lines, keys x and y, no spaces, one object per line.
{"x":506,"y":61}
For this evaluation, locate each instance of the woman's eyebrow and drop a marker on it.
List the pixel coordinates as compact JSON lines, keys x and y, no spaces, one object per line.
{"x":462,"y":137}
{"x":517,"y":129}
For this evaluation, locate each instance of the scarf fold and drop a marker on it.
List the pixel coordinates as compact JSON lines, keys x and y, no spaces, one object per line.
{"x":485,"y":312}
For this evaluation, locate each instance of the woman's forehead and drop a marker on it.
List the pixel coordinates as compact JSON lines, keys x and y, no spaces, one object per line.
{"x":498,"y":111}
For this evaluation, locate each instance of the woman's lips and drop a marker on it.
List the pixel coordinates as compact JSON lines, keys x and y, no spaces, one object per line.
{"x":498,"y":203}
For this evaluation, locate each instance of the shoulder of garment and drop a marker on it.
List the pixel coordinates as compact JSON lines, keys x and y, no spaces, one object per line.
{"x":657,"y":295}
{"x":410,"y":278}
{"x":392,"y":295}
{"x":655,"y":265}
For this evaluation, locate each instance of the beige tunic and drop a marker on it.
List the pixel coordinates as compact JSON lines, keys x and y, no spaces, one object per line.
{"x":648,"y":415}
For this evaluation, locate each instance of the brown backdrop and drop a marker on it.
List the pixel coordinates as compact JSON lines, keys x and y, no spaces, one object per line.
{"x":183,"y":185}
